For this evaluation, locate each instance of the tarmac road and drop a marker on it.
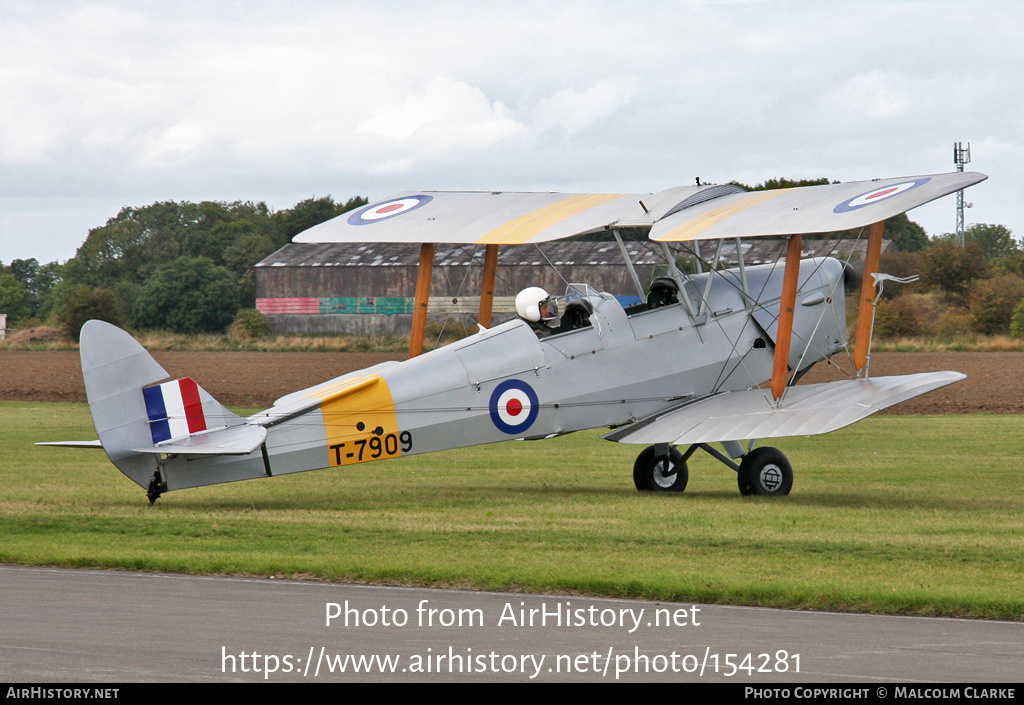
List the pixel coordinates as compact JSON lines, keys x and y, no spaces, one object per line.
{"x":61,"y":625}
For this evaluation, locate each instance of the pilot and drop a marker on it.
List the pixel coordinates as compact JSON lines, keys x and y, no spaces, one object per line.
{"x":537,"y":308}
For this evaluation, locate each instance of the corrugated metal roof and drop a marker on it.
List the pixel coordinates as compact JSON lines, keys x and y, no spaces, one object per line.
{"x":406,"y":255}
{"x":756,"y":251}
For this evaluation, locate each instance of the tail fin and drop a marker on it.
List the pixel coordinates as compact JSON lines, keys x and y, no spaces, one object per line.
{"x":137,"y":419}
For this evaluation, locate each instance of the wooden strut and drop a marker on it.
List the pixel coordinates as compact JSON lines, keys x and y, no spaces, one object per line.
{"x":865,"y":313}
{"x":419,"y":311}
{"x":487,"y":289}
{"x":784,"y":333}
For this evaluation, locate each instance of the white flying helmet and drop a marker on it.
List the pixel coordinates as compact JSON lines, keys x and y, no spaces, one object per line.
{"x":529,"y":301}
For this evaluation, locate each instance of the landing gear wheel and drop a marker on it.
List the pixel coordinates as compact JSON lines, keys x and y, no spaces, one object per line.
{"x":765,"y":471}
{"x":650,"y":475}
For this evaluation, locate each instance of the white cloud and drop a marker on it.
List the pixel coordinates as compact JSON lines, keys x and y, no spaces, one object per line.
{"x":874,"y":96}
{"x":176,"y":146}
{"x":574,"y":110}
{"x":443,"y":121}
{"x":135,"y":102}
{"x":443,"y":103}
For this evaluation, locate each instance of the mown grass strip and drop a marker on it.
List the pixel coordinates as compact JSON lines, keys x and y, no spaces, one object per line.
{"x":897,"y":514}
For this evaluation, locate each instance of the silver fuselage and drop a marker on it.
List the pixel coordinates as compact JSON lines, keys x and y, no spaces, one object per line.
{"x":620,"y":368}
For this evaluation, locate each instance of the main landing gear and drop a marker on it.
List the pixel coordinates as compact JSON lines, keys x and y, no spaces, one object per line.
{"x":765,"y":471}
{"x":762,"y":471}
{"x":660,"y":468}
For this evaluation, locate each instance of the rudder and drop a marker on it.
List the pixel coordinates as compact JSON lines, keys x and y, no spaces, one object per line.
{"x":130,"y":411}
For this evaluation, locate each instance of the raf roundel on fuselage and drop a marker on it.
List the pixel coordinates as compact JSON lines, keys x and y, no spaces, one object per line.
{"x":514,"y":406}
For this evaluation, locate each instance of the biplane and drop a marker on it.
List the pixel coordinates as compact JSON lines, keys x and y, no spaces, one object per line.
{"x":708,"y":356}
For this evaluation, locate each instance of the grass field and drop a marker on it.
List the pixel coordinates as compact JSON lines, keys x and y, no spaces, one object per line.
{"x":896,"y":514}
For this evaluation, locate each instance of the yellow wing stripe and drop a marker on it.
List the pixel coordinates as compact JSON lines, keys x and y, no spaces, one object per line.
{"x":360,"y":421}
{"x":523,"y":229}
{"x":695,"y":226}
{"x":344,"y":388}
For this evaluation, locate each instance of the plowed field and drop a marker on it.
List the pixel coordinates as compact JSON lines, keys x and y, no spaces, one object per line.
{"x":995,"y":381}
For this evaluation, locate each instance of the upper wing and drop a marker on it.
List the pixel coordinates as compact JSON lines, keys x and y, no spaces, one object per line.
{"x":676,"y":214}
{"x":808,"y":209}
{"x":474,"y":217}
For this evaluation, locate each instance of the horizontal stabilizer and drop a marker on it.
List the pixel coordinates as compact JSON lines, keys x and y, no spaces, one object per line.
{"x":805,"y":410}
{"x":236,"y":440}
{"x":298,"y":403}
{"x":73,"y":444}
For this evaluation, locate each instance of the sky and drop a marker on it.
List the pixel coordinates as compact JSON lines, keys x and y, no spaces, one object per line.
{"x":107,"y":104}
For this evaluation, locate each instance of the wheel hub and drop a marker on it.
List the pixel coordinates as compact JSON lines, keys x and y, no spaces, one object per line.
{"x":771,"y":477}
{"x":663,"y":478}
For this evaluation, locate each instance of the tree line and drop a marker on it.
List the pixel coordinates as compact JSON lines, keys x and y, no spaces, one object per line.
{"x":976,"y":289}
{"x":188,"y":268}
{"x":180,"y":266}
{"x":970,"y":290}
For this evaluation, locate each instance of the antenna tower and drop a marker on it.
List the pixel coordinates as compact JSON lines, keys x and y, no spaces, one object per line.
{"x":961,"y":156}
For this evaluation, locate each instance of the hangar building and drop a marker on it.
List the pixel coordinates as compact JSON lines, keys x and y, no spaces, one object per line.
{"x":368,"y":289}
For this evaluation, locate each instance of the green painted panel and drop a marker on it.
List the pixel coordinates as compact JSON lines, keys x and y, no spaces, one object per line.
{"x":366,"y":304}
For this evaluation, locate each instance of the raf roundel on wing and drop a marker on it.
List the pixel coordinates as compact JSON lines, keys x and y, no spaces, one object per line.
{"x":514,"y":406}
{"x":877,"y":195}
{"x":388,"y":209}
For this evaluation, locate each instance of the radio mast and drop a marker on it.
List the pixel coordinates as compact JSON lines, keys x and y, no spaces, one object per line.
{"x":961,"y":156}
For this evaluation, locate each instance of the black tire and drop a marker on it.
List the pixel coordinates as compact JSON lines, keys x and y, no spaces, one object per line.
{"x":765,"y":471}
{"x":649,"y":474}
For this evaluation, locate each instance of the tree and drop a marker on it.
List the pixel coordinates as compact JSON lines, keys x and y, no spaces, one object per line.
{"x":951,"y":269}
{"x":1017,"y":322}
{"x":900,"y":264}
{"x":312,"y":211}
{"x":782,"y":182}
{"x":190,"y":295}
{"x":48,"y":278}
{"x":39,"y":281}
{"x":137,"y":242}
{"x":85,"y":303}
{"x":249,"y":324}
{"x":995,"y":241}
{"x":26,"y":271}
{"x":136,"y":247}
{"x":905,"y":234}
{"x":15,"y":300}
{"x":246,"y":250}
{"x":992,"y":303}
{"x":131,"y":246}
{"x":1010,"y":264}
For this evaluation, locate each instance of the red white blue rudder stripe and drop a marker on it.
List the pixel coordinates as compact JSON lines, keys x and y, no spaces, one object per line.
{"x":175,"y":409}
